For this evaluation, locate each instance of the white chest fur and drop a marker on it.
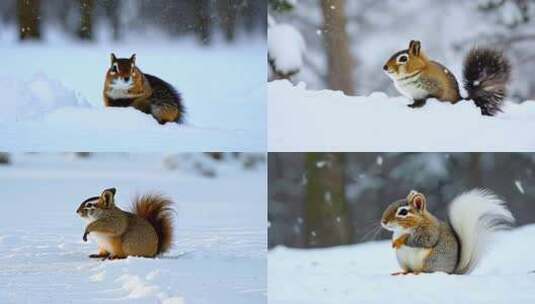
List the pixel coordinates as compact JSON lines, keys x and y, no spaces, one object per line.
{"x":410,"y":258}
{"x":410,"y":87}
{"x":103,"y":241}
{"x":118,"y":93}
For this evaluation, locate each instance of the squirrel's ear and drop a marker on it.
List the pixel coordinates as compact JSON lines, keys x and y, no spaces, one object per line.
{"x":113,"y":58}
{"x":133,"y":58}
{"x":417,"y":200}
{"x":414,"y":47}
{"x":108,"y":197}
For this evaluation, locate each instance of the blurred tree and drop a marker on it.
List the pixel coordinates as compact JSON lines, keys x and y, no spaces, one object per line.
{"x":112,"y":8}
{"x":281,"y":5}
{"x":85,"y":30}
{"x":29,"y":19}
{"x":228,"y":12}
{"x":254,"y":13}
{"x":204,"y":22}
{"x":283,"y":34}
{"x":326,"y":222}
{"x":340,"y":62}
{"x":4,"y":158}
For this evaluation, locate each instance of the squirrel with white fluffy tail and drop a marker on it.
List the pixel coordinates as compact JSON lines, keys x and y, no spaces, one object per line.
{"x":486,"y":73}
{"x":423,"y":243}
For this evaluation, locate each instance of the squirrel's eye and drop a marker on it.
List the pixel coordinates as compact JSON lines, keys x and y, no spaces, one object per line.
{"x":403,"y":58}
{"x":403,"y":212}
{"x":114,"y":68}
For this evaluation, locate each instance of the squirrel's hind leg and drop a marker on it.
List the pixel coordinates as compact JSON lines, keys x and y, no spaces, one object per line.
{"x":405,"y":273}
{"x":101,"y":254}
{"x":164,"y":113}
{"x":418,"y":103}
{"x":114,"y":257}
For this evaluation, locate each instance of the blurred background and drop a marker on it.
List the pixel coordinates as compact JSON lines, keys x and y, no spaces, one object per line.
{"x":342,"y":45}
{"x":329,"y":199}
{"x":87,"y":19}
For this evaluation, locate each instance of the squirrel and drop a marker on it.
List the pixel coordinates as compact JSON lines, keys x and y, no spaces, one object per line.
{"x":146,"y":231}
{"x":126,"y":86}
{"x":486,"y":73}
{"x":423,"y":243}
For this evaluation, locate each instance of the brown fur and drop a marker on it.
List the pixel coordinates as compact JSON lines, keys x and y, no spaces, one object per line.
{"x":141,"y":90}
{"x":436,"y":79}
{"x":157,"y":210}
{"x":142,"y":95}
{"x":434,"y":242}
{"x":145,"y":232}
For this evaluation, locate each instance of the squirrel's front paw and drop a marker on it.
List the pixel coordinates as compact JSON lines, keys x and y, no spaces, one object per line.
{"x":397,"y":243}
{"x":85,"y":236}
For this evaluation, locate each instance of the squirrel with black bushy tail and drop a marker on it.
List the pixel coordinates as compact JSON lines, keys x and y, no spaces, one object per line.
{"x":126,"y":86}
{"x":486,"y":73}
{"x":424,"y":243}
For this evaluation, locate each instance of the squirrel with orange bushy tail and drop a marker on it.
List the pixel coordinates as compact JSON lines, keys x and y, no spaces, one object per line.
{"x":486,"y":74}
{"x":127,"y":86}
{"x":146,"y":231}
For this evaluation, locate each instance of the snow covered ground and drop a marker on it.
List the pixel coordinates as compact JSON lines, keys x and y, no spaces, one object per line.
{"x":306,"y":120}
{"x":361,"y":274}
{"x":52,"y":96}
{"x":219,"y":254}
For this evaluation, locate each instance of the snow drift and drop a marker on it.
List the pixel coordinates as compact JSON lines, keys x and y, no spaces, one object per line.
{"x":304,"y":120}
{"x":361,"y":274}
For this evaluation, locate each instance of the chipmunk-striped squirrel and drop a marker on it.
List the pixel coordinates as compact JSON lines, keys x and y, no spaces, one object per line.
{"x":126,"y":86}
{"x":486,"y":73}
{"x":146,"y":231}
{"x":423,"y":243}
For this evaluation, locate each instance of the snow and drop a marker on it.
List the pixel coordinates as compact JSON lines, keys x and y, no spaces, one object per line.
{"x":286,"y":47}
{"x":53,"y":96}
{"x":219,"y":254}
{"x":361,"y":274}
{"x":325,"y":120}
{"x":519,"y":187}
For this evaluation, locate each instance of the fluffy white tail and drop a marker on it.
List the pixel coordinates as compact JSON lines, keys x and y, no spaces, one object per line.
{"x":475,"y":215}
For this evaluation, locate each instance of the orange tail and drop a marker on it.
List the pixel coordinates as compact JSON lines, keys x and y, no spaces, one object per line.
{"x":158,"y":211}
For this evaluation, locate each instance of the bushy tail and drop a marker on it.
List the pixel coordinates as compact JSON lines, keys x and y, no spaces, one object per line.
{"x":164,"y":93}
{"x":158,"y":211}
{"x":486,"y":73}
{"x":475,"y":215}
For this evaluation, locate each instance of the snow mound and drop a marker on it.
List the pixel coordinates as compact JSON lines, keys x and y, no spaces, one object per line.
{"x":286,"y":47}
{"x":361,"y":274}
{"x":304,"y":120}
{"x":42,"y":111}
{"x":35,"y":97}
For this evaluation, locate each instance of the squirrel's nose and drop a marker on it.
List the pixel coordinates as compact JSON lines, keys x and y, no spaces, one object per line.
{"x":385,"y":67}
{"x":126,"y":79}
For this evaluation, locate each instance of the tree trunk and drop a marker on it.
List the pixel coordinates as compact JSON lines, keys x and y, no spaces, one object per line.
{"x":326,"y":222}
{"x":475,"y":174}
{"x":85,"y":32}
{"x":112,"y":8}
{"x":29,"y":19}
{"x":228,"y":11}
{"x":340,"y":62}
{"x":204,"y":24}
